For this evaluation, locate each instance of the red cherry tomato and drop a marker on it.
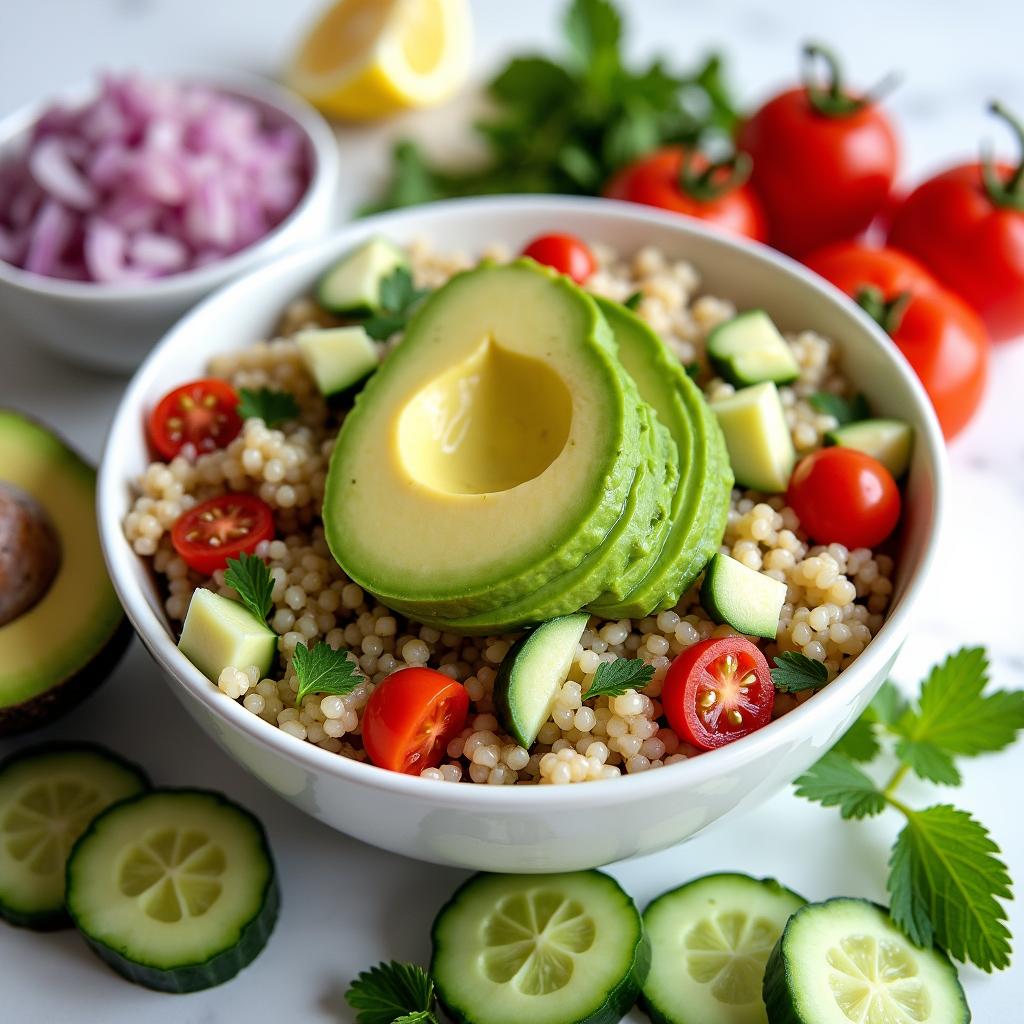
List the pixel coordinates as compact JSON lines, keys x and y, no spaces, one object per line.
{"x":942,"y":338}
{"x":842,"y":496}
{"x":203,"y":413}
{"x":411,"y":717}
{"x":717,"y":691}
{"x":564,"y":253}
{"x":824,"y":162}
{"x":675,"y":179}
{"x":207,"y":535}
{"x":967,"y":226}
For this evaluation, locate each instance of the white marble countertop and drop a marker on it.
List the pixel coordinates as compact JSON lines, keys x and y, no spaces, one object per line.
{"x":347,"y":905}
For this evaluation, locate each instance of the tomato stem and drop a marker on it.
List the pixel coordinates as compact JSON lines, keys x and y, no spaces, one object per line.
{"x":716,"y":179}
{"x":888,"y":314}
{"x":1011,"y":191}
{"x":833,"y":100}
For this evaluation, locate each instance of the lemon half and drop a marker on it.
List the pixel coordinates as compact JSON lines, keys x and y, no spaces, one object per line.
{"x":365,"y":59}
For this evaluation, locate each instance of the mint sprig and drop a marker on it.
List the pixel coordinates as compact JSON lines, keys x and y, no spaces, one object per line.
{"x":946,"y":880}
{"x":614,"y":678}
{"x":250,"y":578}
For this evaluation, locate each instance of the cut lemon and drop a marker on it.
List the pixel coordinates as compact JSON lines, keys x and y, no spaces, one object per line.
{"x":365,"y":59}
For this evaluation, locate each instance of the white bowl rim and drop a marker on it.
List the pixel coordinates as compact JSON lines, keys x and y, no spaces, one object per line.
{"x":801,"y":720}
{"x":324,"y":174}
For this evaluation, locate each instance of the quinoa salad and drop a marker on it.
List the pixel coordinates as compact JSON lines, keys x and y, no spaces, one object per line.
{"x":835,"y":601}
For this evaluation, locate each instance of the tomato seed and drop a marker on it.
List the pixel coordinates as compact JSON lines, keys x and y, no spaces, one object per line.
{"x":734,"y":716}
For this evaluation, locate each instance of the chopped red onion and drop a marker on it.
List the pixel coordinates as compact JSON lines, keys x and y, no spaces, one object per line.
{"x":150,"y":178}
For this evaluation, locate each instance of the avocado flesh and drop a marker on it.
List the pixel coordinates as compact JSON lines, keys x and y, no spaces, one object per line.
{"x":58,"y":650}
{"x":701,"y":501}
{"x":400,"y":518}
{"x":645,"y":505}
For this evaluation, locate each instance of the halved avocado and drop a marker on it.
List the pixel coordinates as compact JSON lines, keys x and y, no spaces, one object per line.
{"x":701,"y":500}
{"x":63,"y":639}
{"x":493,"y":451}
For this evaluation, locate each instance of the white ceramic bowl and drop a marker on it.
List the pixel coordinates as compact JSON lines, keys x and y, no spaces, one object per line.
{"x":529,"y":828}
{"x":112,"y":326}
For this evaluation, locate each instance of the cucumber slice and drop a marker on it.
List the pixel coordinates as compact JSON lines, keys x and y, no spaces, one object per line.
{"x":338,"y":357}
{"x":760,"y":447}
{"x":748,"y":349}
{"x":532,"y":673}
{"x":174,"y":889}
{"x":741,"y":597}
{"x":889,"y":441}
{"x":542,"y":949}
{"x":352,"y":286}
{"x":49,"y":794}
{"x":219,"y":632}
{"x":844,"y":960}
{"x":711,"y":939}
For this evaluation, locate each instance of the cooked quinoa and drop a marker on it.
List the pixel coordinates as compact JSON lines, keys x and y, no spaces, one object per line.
{"x":836,"y":602}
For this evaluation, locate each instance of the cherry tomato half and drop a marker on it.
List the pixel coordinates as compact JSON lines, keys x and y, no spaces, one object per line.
{"x":717,"y":691}
{"x":824,"y":161}
{"x":411,"y":717}
{"x":564,"y":253}
{"x":967,"y":226}
{"x":942,"y":338}
{"x":207,"y":535}
{"x":674,"y":179}
{"x":842,"y":496}
{"x":203,"y":413}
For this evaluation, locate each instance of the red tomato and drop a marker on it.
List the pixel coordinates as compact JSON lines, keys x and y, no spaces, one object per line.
{"x":717,"y":691}
{"x":675,"y":179}
{"x":411,"y":717}
{"x":207,"y":535}
{"x":824,"y":162}
{"x":565,"y":253}
{"x":967,"y":226}
{"x":942,"y":338}
{"x":203,"y":414}
{"x":842,"y":496}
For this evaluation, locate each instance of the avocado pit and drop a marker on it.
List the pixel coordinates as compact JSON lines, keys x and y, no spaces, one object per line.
{"x":30,"y":552}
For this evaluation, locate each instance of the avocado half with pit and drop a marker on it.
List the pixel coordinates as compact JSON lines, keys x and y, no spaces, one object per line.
{"x":62,"y":628}
{"x":503,"y":467}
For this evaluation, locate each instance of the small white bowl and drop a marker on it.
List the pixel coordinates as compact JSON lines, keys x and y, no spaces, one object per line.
{"x":532,"y":828}
{"x":112,"y":326}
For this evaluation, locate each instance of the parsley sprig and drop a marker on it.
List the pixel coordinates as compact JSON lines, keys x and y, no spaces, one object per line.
{"x":565,"y":125}
{"x":322,"y":669}
{"x":946,"y":880}
{"x":273,"y":407}
{"x":393,"y":993}
{"x":614,"y":678}
{"x":250,"y":578}
{"x":844,"y":410}
{"x":398,"y":299}
{"x":794,"y":672}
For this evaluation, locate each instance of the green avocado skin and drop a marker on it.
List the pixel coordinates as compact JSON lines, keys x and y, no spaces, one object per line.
{"x":701,"y":500}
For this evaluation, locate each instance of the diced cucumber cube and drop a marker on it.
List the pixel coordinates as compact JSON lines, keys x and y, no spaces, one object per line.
{"x":889,"y":441}
{"x":352,"y":286}
{"x":760,"y":447}
{"x":742,"y":597}
{"x":338,"y":357}
{"x":748,"y":349}
{"x":219,"y":632}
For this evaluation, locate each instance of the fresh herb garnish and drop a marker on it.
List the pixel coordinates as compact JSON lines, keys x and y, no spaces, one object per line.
{"x":321,"y":669}
{"x":946,"y":880}
{"x":393,"y":993}
{"x":250,"y":578}
{"x":794,"y":672}
{"x":614,"y":678}
{"x":634,"y":300}
{"x":398,"y":298}
{"x":273,"y":407}
{"x":566,"y":125}
{"x":692,"y":370}
{"x":845,"y":410}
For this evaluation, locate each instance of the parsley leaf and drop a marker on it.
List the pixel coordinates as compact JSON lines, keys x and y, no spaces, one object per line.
{"x":845,"y":410}
{"x":835,"y":781}
{"x":945,"y":882}
{"x":953,"y":718}
{"x":634,"y":300}
{"x":889,"y":705}
{"x":321,"y":669}
{"x":273,"y":407}
{"x":614,"y":678}
{"x":250,"y":578}
{"x":391,"y":993}
{"x":398,"y":298}
{"x":692,"y":370}
{"x":794,"y":671}
{"x":859,"y":742}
